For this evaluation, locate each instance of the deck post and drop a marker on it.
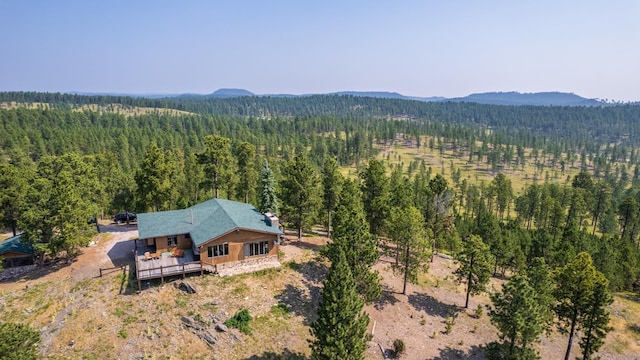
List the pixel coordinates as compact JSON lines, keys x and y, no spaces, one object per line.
{"x":161,"y":275}
{"x":184,"y":274}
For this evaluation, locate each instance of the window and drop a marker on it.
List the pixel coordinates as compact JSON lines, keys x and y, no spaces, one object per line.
{"x":187,"y":236}
{"x":218,"y":250}
{"x":258,"y":248}
{"x":172,"y":241}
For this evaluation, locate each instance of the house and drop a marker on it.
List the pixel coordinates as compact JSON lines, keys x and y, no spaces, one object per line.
{"x":221,"y":234}
{"x":15,"y":252}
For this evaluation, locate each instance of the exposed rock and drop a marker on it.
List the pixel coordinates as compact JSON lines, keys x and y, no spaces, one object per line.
{"x":185,"y":286}
{"x":208,"y":338}
{"x":188,"y":321}
{"x":222,"y":327}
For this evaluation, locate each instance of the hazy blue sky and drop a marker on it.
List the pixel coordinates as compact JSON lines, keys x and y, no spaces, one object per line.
{"x":421,"y":48}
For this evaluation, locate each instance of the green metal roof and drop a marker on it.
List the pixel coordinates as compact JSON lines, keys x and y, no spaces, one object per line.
{"x":205,"y":221}
{"x":15,"y":245}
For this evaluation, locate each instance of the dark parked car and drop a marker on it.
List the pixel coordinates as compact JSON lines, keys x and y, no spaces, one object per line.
{"x":123,"y":217}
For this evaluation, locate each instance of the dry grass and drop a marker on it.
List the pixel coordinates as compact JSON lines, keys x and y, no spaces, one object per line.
{"x":89,"y":318}
{"x":110,"y":108}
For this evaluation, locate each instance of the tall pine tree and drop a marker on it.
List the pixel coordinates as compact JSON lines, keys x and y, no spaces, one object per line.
{"x":475,"y":266}
{"x":351,"y":235}
{"x":340,"y":330}
{"x":300,"y":192}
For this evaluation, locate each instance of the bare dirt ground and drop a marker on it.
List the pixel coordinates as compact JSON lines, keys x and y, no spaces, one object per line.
{"x":81,"y":315}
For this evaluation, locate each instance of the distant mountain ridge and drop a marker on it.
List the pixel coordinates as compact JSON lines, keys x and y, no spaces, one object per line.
{"x":489,"y":98}
{"x":511,"y":98}
{"x":535,"y":99}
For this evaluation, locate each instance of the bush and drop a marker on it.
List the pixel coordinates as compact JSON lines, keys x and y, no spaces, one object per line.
{"x":19,"y":341}
{"x":240,"y":321}
{"x":398,"y":347}
{"x":478,"y":311}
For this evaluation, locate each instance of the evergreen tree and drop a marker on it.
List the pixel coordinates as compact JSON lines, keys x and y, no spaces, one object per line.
{"x":300,"y":192}
{"x":595,"y":324}
{"x":152,"y":180}
{"x":517,"y":315}
{"x":13,"y":182}
{"x":407,"y":232}
{"x":582,"y":296}
{"x":351,"y":235}
{"x":475,"y":266}
{"x":59,"y":201}
{"x":267,"y":196}
{"x":538,"y":275}
{"x":340,"y":330}
{"x":218,"y":162}
{"x":246,"y":156}
{"x":375,"y":191}
{"x":331,"y":184}
{"x":19,"y":342}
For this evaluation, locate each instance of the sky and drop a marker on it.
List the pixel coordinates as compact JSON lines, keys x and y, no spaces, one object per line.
{"x":448,"y":48}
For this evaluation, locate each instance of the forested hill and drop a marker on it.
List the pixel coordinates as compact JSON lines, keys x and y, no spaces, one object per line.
{"x":574,"y":125}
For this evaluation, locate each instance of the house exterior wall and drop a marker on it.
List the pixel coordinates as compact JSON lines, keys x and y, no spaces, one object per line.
{"x":237,"y":241}
{"x":162,"y":243}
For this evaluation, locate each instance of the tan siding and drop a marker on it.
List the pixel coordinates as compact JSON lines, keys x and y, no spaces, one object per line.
{"x":183,"y":242}
{"x":14,"y":254}
{"x":236,"y":240}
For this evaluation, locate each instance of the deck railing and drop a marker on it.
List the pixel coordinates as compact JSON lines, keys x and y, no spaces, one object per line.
{"x":161,"y":272}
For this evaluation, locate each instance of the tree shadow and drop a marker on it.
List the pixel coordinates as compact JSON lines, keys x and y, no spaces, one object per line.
{"x":635,"y":328}
{"x":630,"y":296}
{"x":286,"y":354}
{"x":449,"y":353}
{"x":302,"y":245}
{"x":304,"y":301}
{"x":121,"y":253}
{"x":40,"y":271}
{"x":387,"y":298}
{"x":431,"y":305}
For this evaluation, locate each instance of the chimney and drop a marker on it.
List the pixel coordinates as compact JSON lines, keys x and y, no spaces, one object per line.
{"x":272,"y":219}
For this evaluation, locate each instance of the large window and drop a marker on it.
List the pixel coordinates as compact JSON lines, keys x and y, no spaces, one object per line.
{"x":172,"y":241}
{"x":258,"y":248}
{"x":218,"y":250}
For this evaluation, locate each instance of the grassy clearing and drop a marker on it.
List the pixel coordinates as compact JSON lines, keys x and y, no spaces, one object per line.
{"x":450,"y":160}
{"x":110,"y":108}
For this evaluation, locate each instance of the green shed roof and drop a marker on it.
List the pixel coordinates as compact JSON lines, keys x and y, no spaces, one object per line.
{"x":205,"y":221}
{"x":13,"y":244}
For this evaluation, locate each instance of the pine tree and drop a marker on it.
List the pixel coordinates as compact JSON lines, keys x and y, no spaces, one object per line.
{"x":267,"y":197}
{"x":595,"y":324}
{"x":13,"y":182}
{"x":59,"y":201}
{"x":582,"y":295}
{"x":351,"y":235}
{"x":246,"y":156}
{"x":152,"y":179}
{"x":375,"y":192}
{"x":300,"y":192}
{"x":407,"y":232}
{"x":218,"y":162}
{"x":538,"y":275}
{"x":475,"y":266}
{"x":331,"y":184}
{"x":340,"y":330}
{"x":517,"y":315}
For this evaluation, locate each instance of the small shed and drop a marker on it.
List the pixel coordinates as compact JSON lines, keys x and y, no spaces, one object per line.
{"x":14,"y":252}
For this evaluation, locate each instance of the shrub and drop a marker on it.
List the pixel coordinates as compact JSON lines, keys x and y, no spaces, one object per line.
{"x":398,"y":347}
{"x":478,"y":311}
{"x":240,"y":321}
{"x":19,"y":341}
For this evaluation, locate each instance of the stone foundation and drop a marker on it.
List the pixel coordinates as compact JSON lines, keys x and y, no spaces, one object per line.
{"x":248,"y":266}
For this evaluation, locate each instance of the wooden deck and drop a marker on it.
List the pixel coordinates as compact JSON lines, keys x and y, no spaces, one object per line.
{"x":167,"y":265}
